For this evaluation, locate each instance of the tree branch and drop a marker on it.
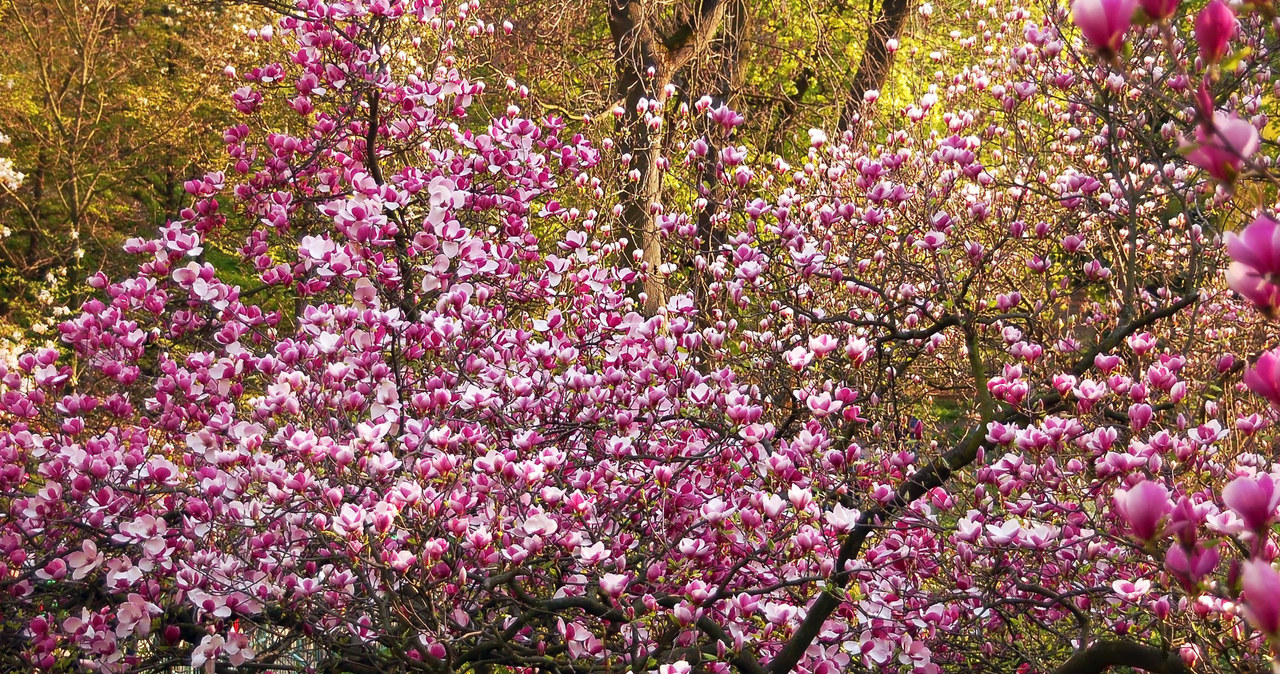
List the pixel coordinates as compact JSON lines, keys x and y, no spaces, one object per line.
{"x":1103,"y":655}
{"x":685,"y":40}
{"x":935,"y":475}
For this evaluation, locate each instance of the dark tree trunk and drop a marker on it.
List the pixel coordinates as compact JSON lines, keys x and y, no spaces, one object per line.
{"x":1104,"y":655}
{"x":731,"y":54}
{"x":645,"y":61}
{"x":803,"y":82}
{"x":876,"y":59}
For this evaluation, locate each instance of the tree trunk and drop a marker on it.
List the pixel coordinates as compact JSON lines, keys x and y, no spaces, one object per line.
{"x":1104,"y":655}
{"x":777,"y":132}
{"x":873,"y":67}
{"x":645,"y":61}
{"x":730,"y":52}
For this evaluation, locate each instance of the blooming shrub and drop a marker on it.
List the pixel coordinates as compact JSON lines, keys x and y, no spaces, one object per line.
{"x":963,"y":390}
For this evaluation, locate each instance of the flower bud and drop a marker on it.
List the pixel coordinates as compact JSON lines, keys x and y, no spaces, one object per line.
{"x":1214,"y":27}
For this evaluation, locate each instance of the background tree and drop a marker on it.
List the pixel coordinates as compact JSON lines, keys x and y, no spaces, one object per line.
{"x":109,"y":106}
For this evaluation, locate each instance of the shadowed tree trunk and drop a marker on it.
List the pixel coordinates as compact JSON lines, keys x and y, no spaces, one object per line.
{"x":730,"y":54}
{"x":876,"y":59}
{"x":646,"y":58}
{"x":1104,"y":655}
{"x":722,"y":83}
{"x":790,"y":105}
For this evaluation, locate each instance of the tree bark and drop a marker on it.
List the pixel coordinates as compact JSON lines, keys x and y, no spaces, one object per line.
{"x":730,"y":52}
{"x":645,"y":61}
{"x":1103,"y":655}
{"x":876,"y":59}
{"x":790,"y":105}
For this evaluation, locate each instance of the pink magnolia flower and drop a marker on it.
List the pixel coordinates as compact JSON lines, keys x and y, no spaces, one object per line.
{"x":1264,"y":377}
{"x":821,"y":345}
{"x":1190,"y":654}
{"x":1255,"y":287}
{"x":1143,"y":506}
{"x":842,"y":518}
{"x":678,"y":667}
{"x":1131,"y":590}
{"x":875,"y":649}
{"x":1191,"y":566}
{"x":1159,"y":9}
{"x":206,"y":653}
{"x":1214,"y":27}
{"x":55,"y":570}
{"x":85,"y":560}
{"x":613,"y":584}
{"x":1107,"y":362}
{"x":1254,"y":499}
{"x":1221,"y":147}
{"x":1005,"y":533}
{"x":1140,"y":415}
{"x":1258,"y":246}
{"x":134,"y":616}
{"x":1104,"y":22}
{"x":540,"y":525}
{"x":1261,"y":584}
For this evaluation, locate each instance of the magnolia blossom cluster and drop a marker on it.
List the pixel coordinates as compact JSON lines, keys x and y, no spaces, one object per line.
{"x":1252,"y":273}
{"x":959,"y":389}
{"x":1224,"y":144}
{"x":10,"y":178}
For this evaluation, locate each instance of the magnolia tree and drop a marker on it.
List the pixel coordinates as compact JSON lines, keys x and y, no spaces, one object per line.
{"x":964,"y":389}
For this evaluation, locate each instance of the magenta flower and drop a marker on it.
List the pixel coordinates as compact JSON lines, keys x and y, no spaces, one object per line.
{"x":1214,"y":27}
{"x":1264,"y":377}
{"x":1254,"y":499}
{"x":1191,"y":566}
{"x":1256,"y":255}
{"x":1255,"y":287}
{"x":1223,"y":146}
{"x":1261,"y":585}
{"x":1258,"y":246}
{"x":1143,"y":506}
{"x":1159,"y":9}
{"x":1104,"y":22}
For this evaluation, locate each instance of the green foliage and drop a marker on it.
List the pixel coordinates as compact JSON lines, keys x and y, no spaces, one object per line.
{"x":109,"y":106}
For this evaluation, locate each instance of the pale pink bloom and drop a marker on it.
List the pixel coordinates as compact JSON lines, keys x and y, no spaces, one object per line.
{"x":1261,"y":584}
{"x":1254,"y":499}
{"x":85,"y":560}
{"x":1222,"y":147}
{"x":206,"y":653}
{"x":843,"y":519}
{"x":1143,"y":506}
{"x":540,"y":525}
{"x":134,"y":616}
{"x":1132,"y":591}
{"x":613,"y":584}
{"x":1005,"y":533}
{"x":1104,"y":22}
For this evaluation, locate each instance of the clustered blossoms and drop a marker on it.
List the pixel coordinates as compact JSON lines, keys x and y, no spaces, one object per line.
{"x":10,"y":177}
{"x":1224,"y":144}
{"x":1255,"y":498}
{"x":954,"y":391}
